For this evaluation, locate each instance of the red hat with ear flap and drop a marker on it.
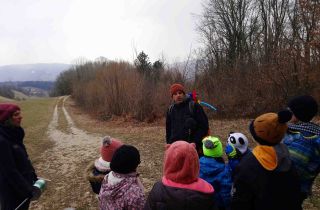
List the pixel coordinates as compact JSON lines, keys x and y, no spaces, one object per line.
{"x":7,"y":110}
{"x":181,"y":162}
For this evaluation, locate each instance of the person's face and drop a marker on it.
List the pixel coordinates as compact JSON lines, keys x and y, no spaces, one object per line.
{"x":16,"y":118}
{"x":178,"y":97}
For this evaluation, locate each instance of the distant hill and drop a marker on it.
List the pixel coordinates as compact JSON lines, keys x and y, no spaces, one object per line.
{"x":4,"y":99}
{"x":32,"y":72}
{"x":28,"y":88}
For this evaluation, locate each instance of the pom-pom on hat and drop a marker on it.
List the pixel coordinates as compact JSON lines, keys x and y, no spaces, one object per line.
{"x":108,"y":147}
{"x":212,"y":147}
{"x":304,"y":107}
{"x":125,"y":159}
{"x":181,"y":162}
{"x":176,"y":87}
{"x":7,"y":110}
{"x":269,"y":128}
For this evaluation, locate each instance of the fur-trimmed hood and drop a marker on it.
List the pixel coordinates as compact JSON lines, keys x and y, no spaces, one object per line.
{"x":90,"y":174}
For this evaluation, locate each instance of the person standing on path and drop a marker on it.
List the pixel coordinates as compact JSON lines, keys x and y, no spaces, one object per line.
{"x":180,"y":187}
{"x":17,"y":174}
{"x":97,"y":170}
{"x":185,"y":119}
{"x":122,"y":188}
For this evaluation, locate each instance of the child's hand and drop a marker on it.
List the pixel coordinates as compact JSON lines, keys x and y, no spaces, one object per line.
{"x":231,"y":151}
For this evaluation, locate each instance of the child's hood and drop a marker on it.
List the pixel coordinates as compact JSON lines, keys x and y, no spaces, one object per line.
{"x":273,"y":157}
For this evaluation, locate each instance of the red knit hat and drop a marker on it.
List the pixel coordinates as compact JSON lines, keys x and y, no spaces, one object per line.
{"x":109,"y":146}
{"x":7,"y":110}
{"x":176,"y":87}
{"x":181,"y":162}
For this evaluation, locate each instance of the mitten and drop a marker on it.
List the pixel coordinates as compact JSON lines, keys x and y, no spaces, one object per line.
{"x":232,"y":152}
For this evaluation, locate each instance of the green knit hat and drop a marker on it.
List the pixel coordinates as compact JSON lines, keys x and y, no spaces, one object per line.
{"x":212,"y":147}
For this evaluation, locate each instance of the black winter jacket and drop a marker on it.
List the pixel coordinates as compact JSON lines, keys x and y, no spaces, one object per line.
{"x":172,"y":198}
{"x":16,"y":172}
{"x":181,"y":124}
{"x":256,"y":188}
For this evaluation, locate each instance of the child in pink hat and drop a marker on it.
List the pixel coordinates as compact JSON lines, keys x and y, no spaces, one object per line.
{"x":101,"y":166}
{"x":180,"y":186}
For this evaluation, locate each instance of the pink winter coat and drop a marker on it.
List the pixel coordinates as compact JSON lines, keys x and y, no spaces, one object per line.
{"x":121,"y":191}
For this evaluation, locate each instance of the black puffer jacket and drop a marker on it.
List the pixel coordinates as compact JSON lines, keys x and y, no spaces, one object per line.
{"x":181,"y":124}
{"x":16,"y":172}
{"x":258,"y":188}
{"x":164,"y":197}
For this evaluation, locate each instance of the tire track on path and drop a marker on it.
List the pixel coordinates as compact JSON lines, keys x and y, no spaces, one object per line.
{"x":64,"y":164}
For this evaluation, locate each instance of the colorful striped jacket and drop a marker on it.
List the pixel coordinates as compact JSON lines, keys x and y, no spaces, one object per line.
{"x":303,"y":142}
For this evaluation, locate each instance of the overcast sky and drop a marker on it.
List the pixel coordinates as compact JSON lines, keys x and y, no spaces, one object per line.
{"x":42,"y":31}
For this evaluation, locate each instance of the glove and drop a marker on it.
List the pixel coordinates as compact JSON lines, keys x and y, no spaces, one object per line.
{"x":190,"y":123}
{"x":231,"y":152}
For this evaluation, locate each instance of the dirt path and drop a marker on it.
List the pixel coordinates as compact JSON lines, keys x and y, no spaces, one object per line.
{"x":64,"y":165}
{"x":75,"y":148}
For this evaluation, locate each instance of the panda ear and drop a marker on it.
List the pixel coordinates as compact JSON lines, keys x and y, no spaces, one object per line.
{"x":231,"y":132}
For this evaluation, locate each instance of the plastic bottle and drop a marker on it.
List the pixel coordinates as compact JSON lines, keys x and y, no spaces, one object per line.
{"x":39,"y":186}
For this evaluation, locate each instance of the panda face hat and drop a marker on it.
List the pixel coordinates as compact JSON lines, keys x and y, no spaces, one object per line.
{"x":239,"y":141}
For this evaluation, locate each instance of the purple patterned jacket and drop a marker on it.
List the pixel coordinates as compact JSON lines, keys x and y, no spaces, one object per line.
{"x":121,"y":191}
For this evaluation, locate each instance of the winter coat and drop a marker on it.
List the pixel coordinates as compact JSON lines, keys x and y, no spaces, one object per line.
{"x":181,"y":124}
{"x":303,"y":142}
{"x":266,"y":179}
{"x":219,"y":176}
{"x":233,"y":162}
{"x":121,"y":191}
{"x":95,"y":177}
{"x":166,"y":196}
{"x":16,"y":172}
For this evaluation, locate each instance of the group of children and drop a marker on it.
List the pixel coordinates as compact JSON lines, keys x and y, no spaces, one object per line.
{"x":278,"y":173}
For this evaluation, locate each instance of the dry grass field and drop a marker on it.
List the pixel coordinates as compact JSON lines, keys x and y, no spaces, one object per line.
{"x":148,"y":138}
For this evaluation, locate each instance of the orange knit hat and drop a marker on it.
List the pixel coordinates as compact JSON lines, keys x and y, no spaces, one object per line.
{"x":269,"y":128}
{"x":181,"y":162}
{"x":176,"y":87}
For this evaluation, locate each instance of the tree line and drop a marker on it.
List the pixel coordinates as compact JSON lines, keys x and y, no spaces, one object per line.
{"x":255,"y":55}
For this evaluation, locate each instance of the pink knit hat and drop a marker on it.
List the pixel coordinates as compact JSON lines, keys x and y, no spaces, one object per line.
{"x":181,"y":162}
{"x":7,"y":110}
{"x":109,"y":146}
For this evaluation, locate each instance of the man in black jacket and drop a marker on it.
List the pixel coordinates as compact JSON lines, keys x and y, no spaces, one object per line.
{"x":185,"y":120}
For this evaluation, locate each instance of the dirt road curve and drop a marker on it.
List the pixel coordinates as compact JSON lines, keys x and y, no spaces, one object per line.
{"x":64,"y":165}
